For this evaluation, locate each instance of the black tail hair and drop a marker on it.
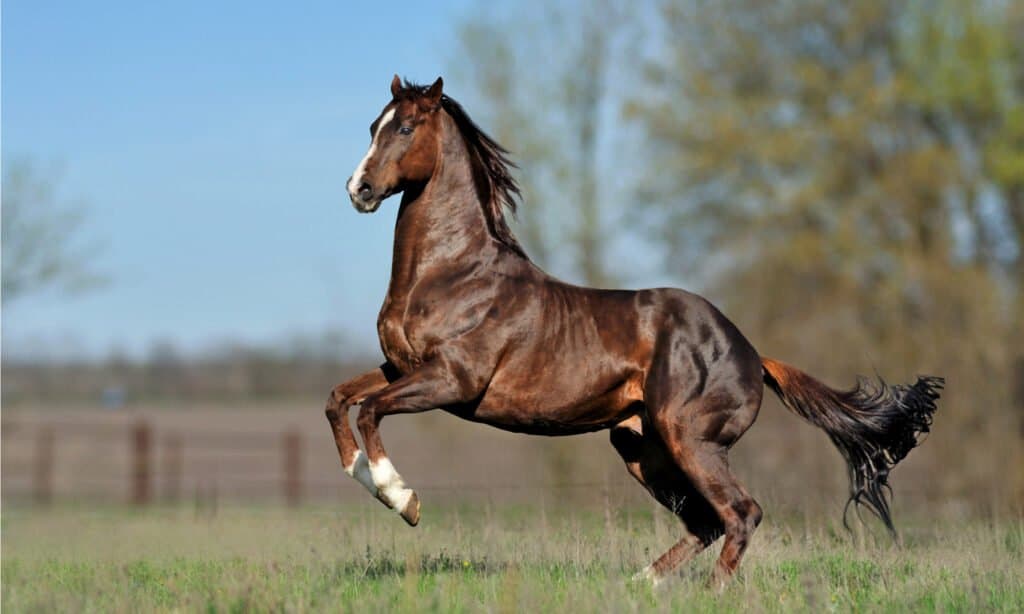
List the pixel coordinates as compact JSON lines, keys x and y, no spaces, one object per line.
{"x":874,"y":425}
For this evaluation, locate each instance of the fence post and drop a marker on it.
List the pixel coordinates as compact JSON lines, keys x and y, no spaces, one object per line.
{"x":292,"y":441}
{"x":42,"y":470}
{"x":141,"y":440}
{"x":173,"y":459}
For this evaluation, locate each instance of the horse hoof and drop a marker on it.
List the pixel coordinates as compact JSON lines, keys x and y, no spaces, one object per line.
{"x":647,"y":576}
{"x":718,"y":582}
{"x":411,"y":513}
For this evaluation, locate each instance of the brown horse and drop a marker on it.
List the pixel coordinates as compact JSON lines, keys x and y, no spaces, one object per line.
{"x":470,"y":325}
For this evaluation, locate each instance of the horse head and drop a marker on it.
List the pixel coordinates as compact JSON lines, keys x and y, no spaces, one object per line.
{"x":403,"y":147}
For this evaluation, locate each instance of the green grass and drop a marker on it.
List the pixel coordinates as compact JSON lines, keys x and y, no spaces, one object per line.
{"x":468,"y":559}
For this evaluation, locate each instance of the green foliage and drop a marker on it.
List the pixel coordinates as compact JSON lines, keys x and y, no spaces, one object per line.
{"x":843,"y":180}
{"x":42,"y":242}
{"x":555,"y":121}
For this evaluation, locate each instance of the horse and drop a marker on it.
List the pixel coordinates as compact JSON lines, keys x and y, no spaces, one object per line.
{"x":472,"y":326}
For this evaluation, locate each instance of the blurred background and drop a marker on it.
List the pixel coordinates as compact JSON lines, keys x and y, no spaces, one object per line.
{"x":184,"y":279}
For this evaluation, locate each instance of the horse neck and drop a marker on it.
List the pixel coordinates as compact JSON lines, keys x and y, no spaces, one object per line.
{"x":442,"y":222}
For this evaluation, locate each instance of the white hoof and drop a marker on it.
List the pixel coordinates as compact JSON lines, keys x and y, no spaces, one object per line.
{"x":647,"y":575}
{"x":392,"y":489}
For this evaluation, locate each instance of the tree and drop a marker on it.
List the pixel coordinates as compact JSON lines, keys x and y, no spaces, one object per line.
{"x":967,"y":69}
{"x":555,"y":122}
{"x":846,"y":180}
{"x":43,"y":247}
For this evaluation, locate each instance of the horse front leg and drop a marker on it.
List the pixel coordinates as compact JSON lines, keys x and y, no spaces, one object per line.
{"x":342,"y":398}
{"x":433,"y":385}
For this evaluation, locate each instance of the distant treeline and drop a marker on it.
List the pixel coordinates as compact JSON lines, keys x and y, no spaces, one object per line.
{"x":234,"y":373}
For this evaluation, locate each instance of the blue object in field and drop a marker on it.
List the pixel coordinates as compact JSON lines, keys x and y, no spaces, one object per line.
{"x":113,"y":397}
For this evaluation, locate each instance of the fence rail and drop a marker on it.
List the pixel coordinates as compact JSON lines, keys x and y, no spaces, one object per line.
{"x":169,"y":458}
{"x":153,"y":457}
{"x":143,"y":463}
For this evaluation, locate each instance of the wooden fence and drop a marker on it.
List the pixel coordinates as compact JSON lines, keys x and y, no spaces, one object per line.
{"x":287,"y":455}
{"x":148,"y":463}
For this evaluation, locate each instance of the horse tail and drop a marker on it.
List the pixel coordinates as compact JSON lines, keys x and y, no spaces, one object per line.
{"x":872,"y":424}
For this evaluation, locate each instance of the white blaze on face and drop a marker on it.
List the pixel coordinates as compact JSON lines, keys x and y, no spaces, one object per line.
{"x":392,"y":488}
{"x":357,"y":177}
{"x":360,"y":470}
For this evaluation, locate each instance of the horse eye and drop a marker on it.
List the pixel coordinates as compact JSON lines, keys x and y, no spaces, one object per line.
{"x":406,"y":130}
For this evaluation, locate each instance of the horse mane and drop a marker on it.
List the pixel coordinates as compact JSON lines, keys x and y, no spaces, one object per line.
{"x":491,"y":168}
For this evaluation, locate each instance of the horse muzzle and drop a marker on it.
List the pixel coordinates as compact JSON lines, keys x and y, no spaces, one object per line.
{"x":365,"y":205}
{"x":364,"y":198}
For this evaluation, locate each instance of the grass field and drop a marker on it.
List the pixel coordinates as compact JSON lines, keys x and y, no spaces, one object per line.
{"x":481,"y":558}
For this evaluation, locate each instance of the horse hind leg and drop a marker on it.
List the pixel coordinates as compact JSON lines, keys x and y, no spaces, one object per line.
{"x":702,"y":456}
{"x":650,"y":463}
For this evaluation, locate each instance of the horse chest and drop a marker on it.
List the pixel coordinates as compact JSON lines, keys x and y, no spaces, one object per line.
{"x":412,"y":327}
{"x":394,"y":338}
{"x":407,"y":332}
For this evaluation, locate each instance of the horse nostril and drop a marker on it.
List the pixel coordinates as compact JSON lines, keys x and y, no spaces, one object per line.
{"x":365,"y":190}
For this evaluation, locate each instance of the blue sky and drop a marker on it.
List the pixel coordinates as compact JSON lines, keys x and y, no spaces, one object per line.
{"x":210,"y":142}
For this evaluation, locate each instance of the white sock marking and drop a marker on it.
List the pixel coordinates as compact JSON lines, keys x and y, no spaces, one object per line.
{"x":392,"y":488}
{"x":647,"y":574}
{"x":360,"y":470}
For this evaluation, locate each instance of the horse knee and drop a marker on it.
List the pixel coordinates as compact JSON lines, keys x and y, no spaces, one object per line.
{"x":336,"y":398}
{"x":756,"y":514}
{"x":335,"y":403}
{"x":745,"y":517}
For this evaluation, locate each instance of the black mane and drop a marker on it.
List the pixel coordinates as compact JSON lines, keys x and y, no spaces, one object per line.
{"x":492,"y":168}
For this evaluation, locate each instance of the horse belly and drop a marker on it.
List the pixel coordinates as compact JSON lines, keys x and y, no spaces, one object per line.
{"x":556,"y":406}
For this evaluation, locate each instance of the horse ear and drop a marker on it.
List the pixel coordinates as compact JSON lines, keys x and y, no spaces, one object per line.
{"x":396,"y":86}
{"x":433,"y":93}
